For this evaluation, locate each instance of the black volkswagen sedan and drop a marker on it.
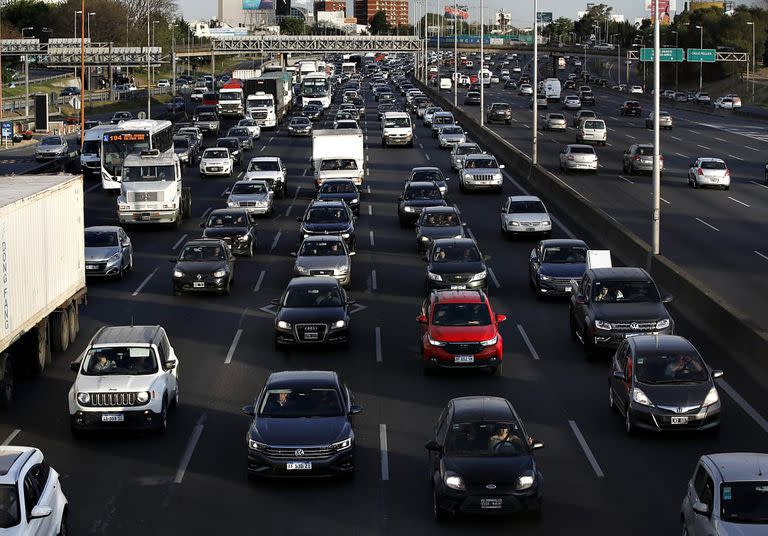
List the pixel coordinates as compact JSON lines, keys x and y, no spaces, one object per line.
{"x":455,"y":264}
{"x":328,"y":218}
{"x":661,"y":383}
{"x":481,"y":460}
{"x":204,"y":265}
{"x":300,"y":126}
{"x":554,"y":265}
{"x":312,"y":310}
{"x":435,"y":223}
{"x":415,"y":197}
{"x":302,"y":426}
{"x":340,"y":189}
{"x":234,"y":226}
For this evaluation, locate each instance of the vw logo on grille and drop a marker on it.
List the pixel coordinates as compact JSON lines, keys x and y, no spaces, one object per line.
{"x":634,"y":325}
{"x":199,"y":277}
{"x":298,"y":452}
{"x":490,"y":486}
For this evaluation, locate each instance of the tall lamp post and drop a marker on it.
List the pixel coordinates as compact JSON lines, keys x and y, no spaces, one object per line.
{"x":26,"y":75}
{"x":74,"y":34}
{"x":751,"y":23}
{"x":455,"y":54}
{"x":656,"y":216}
{"x":676,"y":63}
{"x":149,"y":97}
{"x":82,"y":72}
{"x":535,"y":107}
{"x":701,"y":63}
{"x":153,"y":44}
{"x":90,"y":78}
{"x":482,"y":66}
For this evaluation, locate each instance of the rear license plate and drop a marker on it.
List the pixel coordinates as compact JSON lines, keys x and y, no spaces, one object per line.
{"x":298,"y":466}
{"x":679,"y":420}
{"x":464,"y":359}
{"x":458,"y":287}
{"x":91,"y":267}
{"x":198,"y":284}
{"x":310,"y":336}
{"x":112,"y":417}
{"x":491,"y":503}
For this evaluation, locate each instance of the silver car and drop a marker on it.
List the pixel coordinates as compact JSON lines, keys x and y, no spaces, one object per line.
{"x":481,"y":172}
{"x":726,"y":495}
{"x":578,"y":157}
{"x":460,"y":152}
{"x":525,"y":215}
{"x":51,"y":147}
{"x":581,"y":115}
{"x":428,"y":113}
{"x":665,"y":120}
{"x":108,"y":252}
{"x":555,"y":121}
{"x":254,"y":196}
{"x":450,"y":136}
{"x":324,"y":256}
{"x":571,"y":102}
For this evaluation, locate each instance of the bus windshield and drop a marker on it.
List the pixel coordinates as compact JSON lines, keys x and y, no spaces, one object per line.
{"x":314,"y":87}
{"x":148,"y":174}
{"x":117,"y":145}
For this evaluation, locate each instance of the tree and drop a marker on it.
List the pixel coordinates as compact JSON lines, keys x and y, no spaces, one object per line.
{"x":379,"y":24}
{"x":559,"y":30}
{"x":292,"y":26}
{"x":597,"y":14}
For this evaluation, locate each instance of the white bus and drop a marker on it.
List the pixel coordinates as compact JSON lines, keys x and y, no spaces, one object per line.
{"x":316,"y":87}
{"x":129,"y":137}
{"x":306,"y":67}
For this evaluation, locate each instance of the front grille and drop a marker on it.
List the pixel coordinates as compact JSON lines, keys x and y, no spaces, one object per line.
{"x":482,"y":177}
{"x":298,"y":453}
{"x":139,"y":197}
{"x":463,"y":348}
{"x":106,"y":400}
{"x":564,"y":281}
{"x":305,"y":332}
{"x":634,"y":326}
{"x":249,"y":203}
{"x":259,"y":115}
{"x":460,"y":279}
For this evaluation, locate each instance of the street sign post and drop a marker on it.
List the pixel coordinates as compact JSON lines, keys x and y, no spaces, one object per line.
{"x":701,"y":55}
{"x":665,"y":54}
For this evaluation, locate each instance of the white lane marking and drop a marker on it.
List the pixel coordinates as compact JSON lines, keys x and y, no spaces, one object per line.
{"x":92,"y":188}
{"x":613,"y":118}
{"x":259,"y":281}
{"x":693,"y":132}
{"x":608,"y":144}
{"x":420,"y":146}
{"x":748,"y":409}
{"x":225,"y":192}
{"x":374,"y":282}
{"x":527,"y":341}
{"x":704,"y":147}
{"x":676,"y":138}
{"x":368,"y":188}
{"x":752,"y":148}
{"x":274,"y":242}
{"x":193,"y":439}
{"x":631,"y":137}
{"x":180,"y":242}
{"x":761,"y":255}
{"x":681,"y":155}
{"x":737,"y":201}
{"x":240,"y":175}
{"x":493,"y":277}
{"x":146,"y":280}
{"x":304,"y":173}
{"x":469,"y":232}
{"x":384,"y":453}
{"x":626,"y":179}
{"x":370,"y":210}
{"x":762,"y":185}
{"x":262,"y":148}
{"x":377,"y":334}
{"x":288,"y":209}
{"x":707,"y":224}
{"x":735,"y":157}
{"x":366,"y":158}
{"x":612,"y":129}
{"x":10,"y":437}
{"x":271,"y":139}
{"x":720,"y":139}
{"x":207,"y":211}
{"x":586,"y":449}
{"x":664,"y":200}
{"x":427,"y":156}
{"x":370,"y":235}
{"x":233,"y":346}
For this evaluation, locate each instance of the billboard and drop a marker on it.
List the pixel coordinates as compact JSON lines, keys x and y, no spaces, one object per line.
{"x":459,"y":12}
{"x":254,"y":5}
{"x":544,"y":17}
{"x":502,"y":19}
{"x":666,"y":7}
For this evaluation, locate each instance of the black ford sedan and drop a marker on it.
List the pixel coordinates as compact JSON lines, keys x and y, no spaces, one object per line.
{"x":312,"y":310}
{"x":416,"y":196}
{"x":204,"y":265}
{"x":234,"y":226}
{"x":302,"y":426}
{"x":554,"y":265}
{"x":455,"y":264}
{"x":481,"y":460}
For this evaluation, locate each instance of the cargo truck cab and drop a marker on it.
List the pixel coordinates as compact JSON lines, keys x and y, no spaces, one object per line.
{"x":261,"y":108}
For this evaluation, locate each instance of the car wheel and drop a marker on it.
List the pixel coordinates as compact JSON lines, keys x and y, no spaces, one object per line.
{"x":683,"y":528}
{"x":162,"y":425}
{"x":228,"y":288}
{"x":438,"y":513}
{"x":6,"y":385}
{"x":611,"y":401}
{"x":726,"y":188}
{"x":64,"y":526}
{"x":498,"y":370}
{"x":629,"y":426}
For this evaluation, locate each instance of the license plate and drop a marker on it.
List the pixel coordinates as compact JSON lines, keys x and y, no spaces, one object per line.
{"x":628,"y":335}
{"x":198,"y":284}
{"x":679,"y":420}
{"x":298,"y":466}
{"x":112,"y":417}
{"x":458,"y":287}
{"x":491,"y":503}
{"x":530,"y":229}
{"x":91,"y":267}
{"x":464,"y":359}
{"x":215,"y":169}
{"x":311,"y":336}
{"x":145,"y":217}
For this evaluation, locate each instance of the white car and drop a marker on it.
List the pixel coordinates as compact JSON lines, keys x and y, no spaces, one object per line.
{"x":709,"y":172}
{"x":525,"y":215}
{"x":51,"y":147}
{"x":525,"y":89}
{"x":592,"y":130}
{"x":197,"y":94}
{"x":725,"y":103}
{"x":32,"y":502}
{"x":578,"y":157}
{"x":571,"y":102}
{"x":270,"y":169}
{"x":254,"y":196}
{"x":252,"y":126}
{"x":126,"y":378}
{"x":636,"y":90}
{"x":428,"y":113}
{"x":702,"y":98}
{"x":163,"y":83}
{"x":216,"y":161}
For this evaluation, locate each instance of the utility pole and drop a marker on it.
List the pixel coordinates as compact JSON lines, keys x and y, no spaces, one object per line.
{"x":751,"y":23}
{"x":482,"y":67}
{"x":535,"y":107}
{"x":173,"y":64}
{"x":676,"y":63}
{"x":26,"y":76}
{"x":455,"y":54}
{"x":82,"y":73}
{"x":149,"y":94}
{"x":701,"y":63}
{"x":656,"y":129}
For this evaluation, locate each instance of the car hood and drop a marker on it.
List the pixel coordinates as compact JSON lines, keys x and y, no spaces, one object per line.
{"x":329,"y":228}
{"x":114,"y":382}
{"x":739,"y":529}
{"x":453,"y":137}
{"x":42,"y":147}
{"x":612,"y":312}
{"x":339,"y":174}
{"x":100,"y":254}
{"x":214,"y":161}
{"x":685,"y":394}
{"x":424,"y":203}
{"x":482,"y":171}
{"x":311,"y":314}
{"x":300,"y":431}
{"x":462,"y":333}
{"x":441,"y":232}
{"x":575,"y":270}
{"x":489,"y":470}
{"x":249,"y":197}
{"x":224,"y":232}
{"x":322,"y":262}
{"x":527,"y":217}
{"x":456,"y":267}
{"x":256,"y":175}
{"x":333,"y":196}
{"x":199,"y":267}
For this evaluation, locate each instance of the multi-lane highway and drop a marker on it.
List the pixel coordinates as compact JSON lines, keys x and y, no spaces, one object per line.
{"x":193,"y":480}
{"x":717,"y":236}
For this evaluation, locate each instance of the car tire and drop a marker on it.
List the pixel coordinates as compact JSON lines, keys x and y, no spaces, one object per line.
{"x":629,"y":426}
{"x":162,"y":425}
{"x":726,"y":188}
{"x":611,"y":400}
{"x":7,"y":385}
{"x":438,"y":513}
{"x":227,"y":289}
{"x":60,"y":331}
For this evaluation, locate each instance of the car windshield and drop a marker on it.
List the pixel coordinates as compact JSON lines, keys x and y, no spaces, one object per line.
{"x":314,"y":248}
{"x":565,"y":254}
{"x":91,"y":147}
{"x":710,"y":164}
{"x":422,"y":193}
{"x":485,"y":439}
{"x":249,"y":188}
{"x":468,"y":149}
{"x":583,"y":115}
{"x":246,"y":123}
{"x":51,"y":140}
{"x":480,"y":163}
{"x":556,"y":116}
{"x":294,"y":403}
{"x":9,"y":506}
{"x":340,"y":187}
{"x":451,"y":130}
{"x":455,"y":253}
{"x":181,"y":143}
{"x":744,"y":502}
{"x":625,"y":292}
{"x":230,"y":143}
{"x":264,"y":165}
{"x":227,"y":219}
{"x":207,"y":117}
{"x":594,"y":125}
{"x":461,"y":314}
{"x":501,"y":107}
{"x":397,"y":122}
{"x":670,"y":367}
{"x":119,"y":360}
{"x":645,"y":151}
{"x":238,"y":132}
{"x":327,"y":215}
{"x":100,"y":239}
{"x":337,"y":164}
{"x":443,"y":219}
{"x":202,"y":253}
{"x":346,"y":124}
{"x":526,"y":207}
{"x":148,"y":173}
{"x":427,"y":175}
{"x":300,"y":121}
{"x":122,"y":115}
{"x":213,"y":153}
{"x":307,"y":296}
{"x":583,"y":150}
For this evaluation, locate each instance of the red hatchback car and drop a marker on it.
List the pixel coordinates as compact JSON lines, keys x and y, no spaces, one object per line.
{"x":460,"y":330}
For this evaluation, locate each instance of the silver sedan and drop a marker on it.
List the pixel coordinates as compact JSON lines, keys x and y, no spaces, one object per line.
{"x":254,"y":196}
{"x":108,"y":251}
{"x":324,"y":256}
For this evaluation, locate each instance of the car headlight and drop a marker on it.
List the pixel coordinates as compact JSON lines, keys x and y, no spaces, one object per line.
{"x":478,"y":276}
{"x":662,"y":324}
{"x":255,"y":445}
{"x":342,"y":445}
{"x":467,"y":176}
{"x":354,"y":201}
{"x":435,"y":342}
{"x":639,"y":397}
{"x":546,"y":223}
{"x":525,"y":481}
{"x":490,"y":342}
{"x":301,"y":269}
{"x":544,"y":277}
{"x":83,"y":398}
{"x":408,"y":209}
{"x":219,"y":273}
{"x":178,"y":273}
{"x":712,"y":397}
{"x":282,"y":324}
{"x":514,"y":223}
{"x":243,"y":238}
{"x":426,"y":238}
{"x":345,"y":235}
{"x":342,"y":270}
{"x":233,"y":204}
{"x":602,"y":324}
{"x":142,"y":397}
{"x":454,"y":481}
{"x":339,"y":324}
{"x":434,"y":276}
{"x":114,"y":257}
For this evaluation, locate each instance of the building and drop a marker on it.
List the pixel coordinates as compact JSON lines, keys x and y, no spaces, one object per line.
{"x":331,"y":5}
{"x":396,"y":10}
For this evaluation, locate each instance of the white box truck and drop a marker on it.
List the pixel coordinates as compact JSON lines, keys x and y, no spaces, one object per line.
{"x":337,"y":154}
{"x":42,"y":249}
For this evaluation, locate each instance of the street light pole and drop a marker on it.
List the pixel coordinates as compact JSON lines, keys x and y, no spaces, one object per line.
{"x":26,"y":76}
{"x":153,"y":44}
{"x":535,"y":107}
{"x":149,"y":98}
{"x":82,"y":73}
{"x":74,"y":34}
{"x":656,"y":129}
{"x":751,"y":23}
{"x":676,"y":63}
{"x":455,"y":55}
{"x":482,"y":67}
{"x":90,"y":78}
{"x":701,"y":63}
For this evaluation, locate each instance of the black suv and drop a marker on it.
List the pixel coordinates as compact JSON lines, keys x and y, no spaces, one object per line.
{"x":500,"y":111}
{"x":438,"y":222}
{"x":455,"y":264}
{"x":340,"y":189}
{"x":328,"y":218}
{"x":416,"y":196}
{"x":302,"y":426}
{"x":611,"y":304}
{"x":312,"y":310}
{"x":587,"y":98}
{"x":204,"y":265}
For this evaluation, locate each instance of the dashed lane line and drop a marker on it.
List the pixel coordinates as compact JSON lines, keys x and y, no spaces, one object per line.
{"x":10,"y":437}
{"x":708,"y":225}
{"x":233,"y":346}
{"x":143,"y":283}
{"x":259,"y":281}
{"x":179,"y":242}
{"x":587,"y":451}
{"x":527,"y":342}
{"x":197,"y":431}
{"x":384,"y":452}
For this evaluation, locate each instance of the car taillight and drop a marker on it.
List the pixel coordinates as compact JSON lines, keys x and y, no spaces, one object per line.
{"x":700,"y":172}
{"x":661,"y":157}
{"x":636,"y":157}
{"x":570,"y":157}
{"x":727,"y":173}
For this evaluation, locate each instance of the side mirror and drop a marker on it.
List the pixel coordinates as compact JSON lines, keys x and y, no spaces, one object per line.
{"x":172,"y":259}
{"x":354,"y":409}
{"x":486,"y":258}
{"x":619,"y":375}
{"x":350,"y":301}
{"x":580,"y":299}
{"x":202,"y":225}
{"x":74,"y":366}
{"x":502,"y":166}
{"x":501,"y":318}
{"x":692,"y":164}
{"x":421,"y":319}
{"x":169,"y":365}
{"x":40,"y":511}
{"x":249,"y":410}
{"x":701,"y":508}
{"x":294,"y":254}
{"x":433,"y":446}
{"x":717,"y":374}
{"x":666,"y":299}
{"x":535,"y":445}
{"x":275,"y":301}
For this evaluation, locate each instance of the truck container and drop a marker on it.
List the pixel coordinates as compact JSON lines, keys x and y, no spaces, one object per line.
{"x":244,"y":74}
{"x":43,"y":271}
{"x":337,"y":154}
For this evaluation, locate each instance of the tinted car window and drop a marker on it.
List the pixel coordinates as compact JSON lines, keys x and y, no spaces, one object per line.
{"x":583,"y":150}
{"x":264,"y":165}
{"x":338,"y":188}
{"x":249,"y":188}
{"x":312,"y":297}
{"x":215,"y":154}
{"x":321,"y":249}
{"x":480,"y":163}
{"x":712,"y":165}
{"x":523,"y":207}
{"x":744,"y":502}
{"x":119,"y":360}
{"x":327,"y":215}
{"x":202,"y":253}
{"x":481,"y":439}
{"x":559,"y":255}
{"x":100,"y":239}
{"x":670,"y":367}
{"x":287,"y":403}
{"x":226,"y":220}
{"x":461,"y":314}
{"x":625,"y":292}
{"x":456,"y":253}
{"x":422,"y":193}
{"x":10,"y":515}
{"x":439,"y":220}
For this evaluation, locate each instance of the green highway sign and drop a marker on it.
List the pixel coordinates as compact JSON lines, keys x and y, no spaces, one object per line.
{"x":705,"y":55}
{"x":667,"y":54}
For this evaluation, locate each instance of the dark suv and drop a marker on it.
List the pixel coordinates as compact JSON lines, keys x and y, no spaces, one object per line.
{"x":416,"y":196}
{"x":456,"y":264}
{"x":631,"y":108}
{"x":328,"y":218}
{"x":611,"y":304}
